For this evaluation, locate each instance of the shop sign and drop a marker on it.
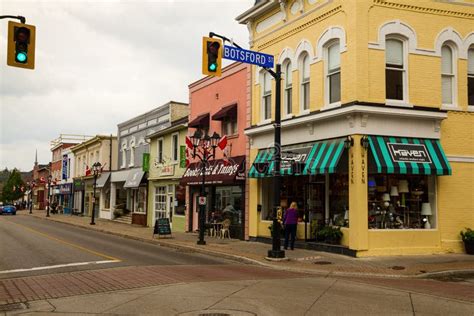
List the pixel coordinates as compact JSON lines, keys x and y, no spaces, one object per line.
{"x":182,"y":156}
{"x":167,"y":170}
{"x":219,"y":171}
{"x":78,"y":185}
{"x":65,"y":189}
{"x":409,"y":153}
{"x":146,"y":162}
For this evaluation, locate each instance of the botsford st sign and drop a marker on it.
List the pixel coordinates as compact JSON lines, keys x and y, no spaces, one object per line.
{"x":409,"y":153}
{"x":248,"y":56}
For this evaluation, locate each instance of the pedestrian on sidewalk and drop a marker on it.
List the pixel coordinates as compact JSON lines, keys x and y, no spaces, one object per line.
{"x":290,"y":220}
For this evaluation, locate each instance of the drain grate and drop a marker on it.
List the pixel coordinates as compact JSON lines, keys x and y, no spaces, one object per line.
{"x":214,"y":314}
{"x":398,"y":268}
{"x":323,"y":262}
{"x":11,"y":307}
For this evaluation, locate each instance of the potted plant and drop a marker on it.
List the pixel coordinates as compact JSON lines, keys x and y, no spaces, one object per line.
{"x":329,"y":234}
{"x":468,"y":239}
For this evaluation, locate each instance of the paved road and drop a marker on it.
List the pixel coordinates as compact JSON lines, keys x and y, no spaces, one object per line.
{"x":32,"y":246}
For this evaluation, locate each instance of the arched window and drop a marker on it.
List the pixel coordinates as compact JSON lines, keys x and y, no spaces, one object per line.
{"x":333,"y":73}
{"x":395,"y":70}
{"x":288,"y":88}
{"x":304,"y":80}
{"x":448,"y":75}
{"x":470,"y":76}
{"x":266,"y":96}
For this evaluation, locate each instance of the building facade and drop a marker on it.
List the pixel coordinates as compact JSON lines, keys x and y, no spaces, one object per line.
{"x":377,"y":121}
{"x":100,"y":149}
{"x":219,"y":104}
{"x":166,"y":196}
{"x":129,"y":182}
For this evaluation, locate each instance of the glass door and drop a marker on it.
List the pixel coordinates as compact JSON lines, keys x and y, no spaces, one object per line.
{"x":315,"y":217}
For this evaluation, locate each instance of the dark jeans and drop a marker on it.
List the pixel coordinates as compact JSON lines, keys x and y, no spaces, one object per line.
{"x":290,"y":232}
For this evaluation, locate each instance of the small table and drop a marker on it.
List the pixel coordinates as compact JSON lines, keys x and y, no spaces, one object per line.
{"x":216,"y":228}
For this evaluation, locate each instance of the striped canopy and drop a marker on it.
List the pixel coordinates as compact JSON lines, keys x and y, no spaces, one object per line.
{"x":404,"y":155}
{"x":324,"y":156}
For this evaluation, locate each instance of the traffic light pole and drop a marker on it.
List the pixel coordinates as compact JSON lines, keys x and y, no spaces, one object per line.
{"x":21,"y":18}
{"x":276,"y":251}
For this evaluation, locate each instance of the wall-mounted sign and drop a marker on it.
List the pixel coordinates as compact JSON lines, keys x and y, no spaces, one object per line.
{"x":182,"y":156}
{"x":409,"y":153}
{"x":65,"y":166}
{"x":146,"y":162}
{"x":166,"y":170}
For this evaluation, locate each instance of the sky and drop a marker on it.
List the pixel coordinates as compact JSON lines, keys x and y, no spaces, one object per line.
{"x":100,"y":63}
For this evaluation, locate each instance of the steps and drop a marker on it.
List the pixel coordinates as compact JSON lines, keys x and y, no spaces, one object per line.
{"x":125,"y":219}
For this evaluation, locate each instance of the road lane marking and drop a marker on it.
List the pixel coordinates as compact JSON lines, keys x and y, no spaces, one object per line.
{"x":75,"y":264}
{"x":68,"y":243}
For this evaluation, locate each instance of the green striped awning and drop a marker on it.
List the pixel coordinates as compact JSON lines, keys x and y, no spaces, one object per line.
{"x":324,"y":156}
{"x":261,"y":166}
{"x":405,"y":155}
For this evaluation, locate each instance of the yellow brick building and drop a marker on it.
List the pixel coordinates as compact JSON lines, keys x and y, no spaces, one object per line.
{"x":377,"y":121}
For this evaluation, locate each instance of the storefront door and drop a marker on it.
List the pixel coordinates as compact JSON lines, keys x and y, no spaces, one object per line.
{"x":315,"y":213}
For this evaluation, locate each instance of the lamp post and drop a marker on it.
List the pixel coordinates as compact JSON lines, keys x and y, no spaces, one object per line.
{"x":204,"y":148}
{"x":31,"y":186}
{"x":96,"y":170}
{"x":49,"y":198}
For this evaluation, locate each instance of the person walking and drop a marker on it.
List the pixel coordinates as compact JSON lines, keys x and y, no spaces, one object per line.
{"x":290,"y":220}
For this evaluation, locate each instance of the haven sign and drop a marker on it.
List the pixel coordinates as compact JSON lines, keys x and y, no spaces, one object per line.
{"x":409,"y":153}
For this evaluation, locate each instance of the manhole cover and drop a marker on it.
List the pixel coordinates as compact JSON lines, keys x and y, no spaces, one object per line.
{"x":11,"y":307}
{"x":221,"y":312}
{"x":398,"y":268}
{"x":323,"y":262}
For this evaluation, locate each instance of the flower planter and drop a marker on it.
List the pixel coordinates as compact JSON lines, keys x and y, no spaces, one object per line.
{"x":469,"y":246}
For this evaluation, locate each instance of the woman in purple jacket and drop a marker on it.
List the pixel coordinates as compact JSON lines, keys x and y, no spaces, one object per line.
{"x":290,"y":220}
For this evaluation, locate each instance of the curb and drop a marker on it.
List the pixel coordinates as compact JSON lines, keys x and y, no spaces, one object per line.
{"x":243,"y":259}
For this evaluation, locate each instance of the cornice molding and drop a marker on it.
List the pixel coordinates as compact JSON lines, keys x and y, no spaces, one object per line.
{"x":426,"y":10}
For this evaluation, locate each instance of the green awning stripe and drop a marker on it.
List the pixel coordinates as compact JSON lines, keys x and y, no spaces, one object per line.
{"x":326,"y":158}
{"x":309,"y":160}
{"x":336,"y":157}
{"x":414,"y":166}
{"x":402,"y":165}
{"x":434,"y":157}
{"x":426,"y":166}
{"x":374,"y":153}
{"x":318,"y":158}
{"x":385,"y":154}
{"x":449,"y":171}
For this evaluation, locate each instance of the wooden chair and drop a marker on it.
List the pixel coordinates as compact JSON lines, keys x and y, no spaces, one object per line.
{"x":225,"y":230}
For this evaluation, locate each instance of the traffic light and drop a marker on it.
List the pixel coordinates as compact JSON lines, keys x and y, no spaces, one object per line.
{"x":21,"y":45}
{"x":211,"y":56}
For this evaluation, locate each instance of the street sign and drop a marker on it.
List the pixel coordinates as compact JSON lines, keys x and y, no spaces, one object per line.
{"x":248,"y":56}
{"x":202,"y":200}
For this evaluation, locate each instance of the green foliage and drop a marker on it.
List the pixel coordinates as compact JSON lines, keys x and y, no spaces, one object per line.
{"x":329,"y":234}
{"x":11,"y":191}
{"x":467,"y":235}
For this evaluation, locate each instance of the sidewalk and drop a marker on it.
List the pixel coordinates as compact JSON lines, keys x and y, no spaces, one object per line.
{"x":299,"y":259}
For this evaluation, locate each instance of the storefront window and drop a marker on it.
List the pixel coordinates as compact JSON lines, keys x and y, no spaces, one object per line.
{"x":160,"y":202}
{"x":339,"y":200}
{"x":141,"y":200}
{"x":229,"y":203}
{"x":401,"y":202}
{"x":267,"y":199}
{"x":107,"y":198}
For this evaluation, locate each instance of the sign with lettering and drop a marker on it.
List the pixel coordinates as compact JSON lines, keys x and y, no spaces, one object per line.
{"x":65,"y":166}
{"x":248,"y":56}
{"x":182,"y":156}
{"x":162,"y":227}
{"x":409,"y":153}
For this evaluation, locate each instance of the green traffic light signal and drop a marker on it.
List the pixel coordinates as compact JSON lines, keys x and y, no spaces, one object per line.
{"x":213,"y":67}
{"x":212,"y":56}
{"x":21,"y":45}
{"x":21,"y":57}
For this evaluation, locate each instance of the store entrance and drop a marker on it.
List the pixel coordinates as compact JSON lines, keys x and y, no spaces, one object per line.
{"x":314,"y":208}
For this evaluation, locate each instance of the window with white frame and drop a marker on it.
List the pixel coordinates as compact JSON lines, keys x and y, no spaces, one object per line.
{"x":470,"y":76}
{"x":395,"y":70}
{"x":333,"y":73}
{"x":267,"y":97}
{"x":160,"y":150}
{"x":448,"y":75}
{"x":132,"y":152}
{"x":175,"y":147}
{"x":288,"y":88}
{"x":160,"y":202}
{"x":304,"y":75}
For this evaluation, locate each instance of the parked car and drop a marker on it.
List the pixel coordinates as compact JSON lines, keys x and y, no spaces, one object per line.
{"x":9,"y":209}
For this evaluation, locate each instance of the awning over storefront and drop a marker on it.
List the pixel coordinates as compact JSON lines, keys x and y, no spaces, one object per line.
{"x":218,"y":171}
{"x":200,"y":121}
{"x":119,"y":176}
{"x":102,"y":180}
{"x":134,"y":178}
{"x":227,"y":111}
{"x":319,"y":158}
{"x":409,"y":155}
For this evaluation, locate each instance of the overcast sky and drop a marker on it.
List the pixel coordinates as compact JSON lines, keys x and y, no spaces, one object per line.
{"x":99,"y":63}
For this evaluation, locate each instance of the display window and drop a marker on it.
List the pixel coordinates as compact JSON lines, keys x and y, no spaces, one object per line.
{"x":402,"y":201}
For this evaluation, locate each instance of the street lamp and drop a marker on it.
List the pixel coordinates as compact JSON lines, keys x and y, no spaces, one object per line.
{"x":204,"y":148}
{"x":96,"y":170}
{"x":31,"y":186}
{"x":49,"y":192}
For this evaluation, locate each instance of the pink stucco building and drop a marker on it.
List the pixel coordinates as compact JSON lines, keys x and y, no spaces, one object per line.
{"x":220,"y":104}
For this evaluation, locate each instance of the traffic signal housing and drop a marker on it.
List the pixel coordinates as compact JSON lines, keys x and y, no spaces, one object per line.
{"x":212,"y":56}
{"x":21,"y":45}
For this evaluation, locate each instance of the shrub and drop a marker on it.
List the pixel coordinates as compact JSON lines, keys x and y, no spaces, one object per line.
{"x":468,"y":235}
{"x":329,"y":234}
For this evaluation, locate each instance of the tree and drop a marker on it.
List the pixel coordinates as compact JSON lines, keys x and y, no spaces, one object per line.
{"x":12,"y":189}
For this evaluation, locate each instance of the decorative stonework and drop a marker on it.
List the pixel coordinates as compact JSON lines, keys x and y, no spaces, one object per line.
{"x":283,"y":9}
{"x":426,"y":10}
{"x":270,"y":21}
